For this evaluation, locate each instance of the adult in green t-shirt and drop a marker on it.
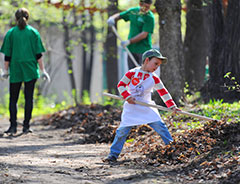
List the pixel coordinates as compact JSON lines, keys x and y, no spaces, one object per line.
{"x":22,"y":47}
{"x":141,"y":29}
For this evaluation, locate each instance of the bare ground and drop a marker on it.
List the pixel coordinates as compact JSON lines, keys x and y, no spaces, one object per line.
{"x":51,"y":156}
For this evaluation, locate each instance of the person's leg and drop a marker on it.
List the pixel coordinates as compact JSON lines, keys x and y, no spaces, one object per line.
{"x":162,"y":130}
{"x":138,"y":58}
{"x":119,"y":140}
{"x":14,"y":89}
{"x":28,"y":93}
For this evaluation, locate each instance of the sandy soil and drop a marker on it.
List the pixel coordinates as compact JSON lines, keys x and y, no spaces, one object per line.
{"x":51,"y":156}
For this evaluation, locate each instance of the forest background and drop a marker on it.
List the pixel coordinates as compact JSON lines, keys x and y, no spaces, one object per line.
{"x":84,"y":57}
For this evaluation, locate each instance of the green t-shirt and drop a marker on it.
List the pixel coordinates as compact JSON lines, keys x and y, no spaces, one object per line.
{"x":23,"y":46}
{"x":139,"y":23}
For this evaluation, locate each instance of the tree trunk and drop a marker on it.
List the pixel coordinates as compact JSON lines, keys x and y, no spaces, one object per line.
{"x":68,"y":58}
{"x":88,"y":40}
{"x":195,"y":45}
{"x":84,"y":55}
{"x":231,"y":54}
{"x":111,"y":51}
{"x":92,"y":42}
{"x":224,"y":57}
{"x":171,"y":46}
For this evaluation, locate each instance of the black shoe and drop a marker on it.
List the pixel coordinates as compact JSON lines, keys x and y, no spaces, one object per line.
{"x":11,"y":130}
{"x":26,"y":130}
{"x":110,"y":159}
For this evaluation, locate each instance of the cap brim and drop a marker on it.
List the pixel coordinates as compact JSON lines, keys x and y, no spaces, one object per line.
{"x":164,"y":60}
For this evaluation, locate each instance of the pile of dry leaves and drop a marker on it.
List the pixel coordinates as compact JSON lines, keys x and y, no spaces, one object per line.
{"x":95,"y":123}
{"x":208,"y":153}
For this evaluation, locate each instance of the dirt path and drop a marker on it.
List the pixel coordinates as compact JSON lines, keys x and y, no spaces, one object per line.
{"x":50,"y":156}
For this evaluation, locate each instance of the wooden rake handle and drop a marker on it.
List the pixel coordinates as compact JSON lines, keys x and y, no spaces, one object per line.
{"x":129,"y":53}
{"x":162,"y":108}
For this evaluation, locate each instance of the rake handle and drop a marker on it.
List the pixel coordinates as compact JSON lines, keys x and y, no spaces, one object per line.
{"x":129,"y":53}
{"x":162,"y":108}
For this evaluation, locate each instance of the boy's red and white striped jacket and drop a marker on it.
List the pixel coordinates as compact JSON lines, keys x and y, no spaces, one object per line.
{"x":159,"y":86}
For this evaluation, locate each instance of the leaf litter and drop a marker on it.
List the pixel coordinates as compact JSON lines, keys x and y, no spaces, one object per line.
{"x":207,"y":154}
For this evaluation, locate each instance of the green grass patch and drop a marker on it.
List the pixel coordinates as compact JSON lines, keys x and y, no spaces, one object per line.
{"x":218,"y":109}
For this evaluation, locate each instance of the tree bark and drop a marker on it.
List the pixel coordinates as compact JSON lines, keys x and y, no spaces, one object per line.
{"x":68,"y":58}
{"x":88,"y":40}
{"x":111,"y":51}
{"x":85,"y":71}
{"x":231,"y":54}
{"x":171,"y":46}
{"x":92,"y":42}
{"x":195,"y":45}
{"x":224,"y":56}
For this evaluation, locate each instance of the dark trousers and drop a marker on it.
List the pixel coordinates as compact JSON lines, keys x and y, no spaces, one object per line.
{"x":28,"y":95}
{"x":138,"y":58}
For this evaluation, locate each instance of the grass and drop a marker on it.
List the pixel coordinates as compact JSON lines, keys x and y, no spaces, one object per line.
{"x":216,"y":109}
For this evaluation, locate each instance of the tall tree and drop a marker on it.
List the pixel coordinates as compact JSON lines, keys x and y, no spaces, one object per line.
{"x":68,"y":50}
{"x":224,"y":51}
{"x":231,"y":55}
{"x":171,"y":45}
{"x":88,"y":43}
{"x":111,"y":50}
{"x":195,"y":44}
{"x":92,"y":48}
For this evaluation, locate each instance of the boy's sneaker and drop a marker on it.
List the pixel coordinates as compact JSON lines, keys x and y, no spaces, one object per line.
{"x":11,"y":130}
{"x":110,"y":159}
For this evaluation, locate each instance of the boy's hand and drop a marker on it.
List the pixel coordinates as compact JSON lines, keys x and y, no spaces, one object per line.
{"x":131,"y":100}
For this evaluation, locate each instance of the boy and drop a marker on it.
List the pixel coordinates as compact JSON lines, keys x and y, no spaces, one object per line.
{"x":140,"y":82}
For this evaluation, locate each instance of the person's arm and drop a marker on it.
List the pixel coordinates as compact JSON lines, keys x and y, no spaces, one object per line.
{"x":44,"y":75}
{"x":122,"y":87}
{"x":6,"y":66}
{"x":139,"y":37}
{"x":116,"y":17}
{"x":163,"y":93}
{"x":113,"y":19}
{"x":135,"y":39}
{"x":4,"y":74}
{"x":41,"y":64}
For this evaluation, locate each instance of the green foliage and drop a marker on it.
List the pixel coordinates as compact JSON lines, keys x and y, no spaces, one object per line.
{"x":186,"y":89}
{"x":42,"y":12}
{"x":86,"y":98}
{"x":130,"y":140}
{"x":235,"y":85}
{"x":111,"y":101}
{"x":42,"y":105}
{"x":3,"y":104}
{"x":114,"y":102}
{"x":218,"y":110}
{"x":215,"y":109}
{"x":183,"y":20}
